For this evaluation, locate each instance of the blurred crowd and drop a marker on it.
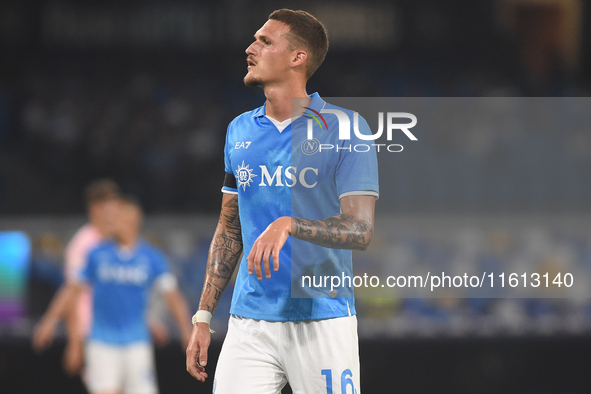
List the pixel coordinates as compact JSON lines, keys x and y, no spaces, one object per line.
{"x":159,"y":130}
{"x":159,"y":135}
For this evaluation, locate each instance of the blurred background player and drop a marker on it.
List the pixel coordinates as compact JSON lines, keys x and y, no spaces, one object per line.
{"x":121,"y":273}
{"x":99,"y":195}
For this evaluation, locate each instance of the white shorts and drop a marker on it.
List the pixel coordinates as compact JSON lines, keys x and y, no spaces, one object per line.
{"x":260,"y":357}
{"x":128,"y":369}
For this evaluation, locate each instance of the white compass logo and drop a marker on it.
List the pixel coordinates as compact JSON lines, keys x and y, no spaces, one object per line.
{"x":244,"y":175}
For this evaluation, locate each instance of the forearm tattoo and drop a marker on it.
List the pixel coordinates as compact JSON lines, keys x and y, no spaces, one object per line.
{"x":223,"y":257}
{"x":341,"y":232}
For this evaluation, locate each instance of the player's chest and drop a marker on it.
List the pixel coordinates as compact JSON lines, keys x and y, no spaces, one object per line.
{"x":260,"y":147}
{"x":277,"y":161}
{"x":131,"y":272}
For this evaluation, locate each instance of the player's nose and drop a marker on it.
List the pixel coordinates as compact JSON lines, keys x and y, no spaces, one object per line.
{"x":251,"y":50}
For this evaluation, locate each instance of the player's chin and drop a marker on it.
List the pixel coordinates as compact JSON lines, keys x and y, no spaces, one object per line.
{"x":251,"y":81}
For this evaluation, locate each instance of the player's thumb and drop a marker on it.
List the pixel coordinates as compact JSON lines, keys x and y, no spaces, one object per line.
{"x":203,"y":354}
{"x":203,"y":357}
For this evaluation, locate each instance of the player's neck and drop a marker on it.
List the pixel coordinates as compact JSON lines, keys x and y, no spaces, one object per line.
{"x":278,"y":104}
{"x":102,"y":230}
{"x":127,"y":241}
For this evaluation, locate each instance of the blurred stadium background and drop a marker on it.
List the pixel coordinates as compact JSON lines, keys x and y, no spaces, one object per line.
{"x":142,"y":92}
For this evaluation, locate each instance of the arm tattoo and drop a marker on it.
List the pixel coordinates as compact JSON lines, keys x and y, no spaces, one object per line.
{"x":224,"y":254}
{"x":341,"y":232}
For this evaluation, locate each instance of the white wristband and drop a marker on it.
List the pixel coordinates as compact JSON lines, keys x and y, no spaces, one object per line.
{"x":201,"y":317}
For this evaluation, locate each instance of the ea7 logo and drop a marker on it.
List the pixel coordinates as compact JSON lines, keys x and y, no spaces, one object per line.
{"x":242,"y":144}
{"x":345,"y":125}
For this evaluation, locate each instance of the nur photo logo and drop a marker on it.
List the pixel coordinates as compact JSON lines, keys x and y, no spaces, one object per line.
{"x":392,"y":122}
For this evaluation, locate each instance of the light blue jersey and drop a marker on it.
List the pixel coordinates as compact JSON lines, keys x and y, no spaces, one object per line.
{"x":121,"y":282}
{"x":285,"y":174}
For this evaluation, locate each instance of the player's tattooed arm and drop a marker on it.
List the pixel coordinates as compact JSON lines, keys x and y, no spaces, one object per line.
{"x":224,"y":254}
{"x":223,"y":257}
{"x":352,"y":229}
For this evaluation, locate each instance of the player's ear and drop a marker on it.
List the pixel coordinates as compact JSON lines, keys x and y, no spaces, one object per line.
{"x":299,"y":58}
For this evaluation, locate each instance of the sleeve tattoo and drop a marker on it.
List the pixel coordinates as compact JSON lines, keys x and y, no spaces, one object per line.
{"x":223,"y":257}
{"x":341,"y":232}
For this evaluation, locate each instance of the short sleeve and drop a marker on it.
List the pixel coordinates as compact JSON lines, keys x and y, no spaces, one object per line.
{"x":229,"y":185}
{"x":164,"y":280}
{"x":159,"y":263}
{"x":357,"y":170}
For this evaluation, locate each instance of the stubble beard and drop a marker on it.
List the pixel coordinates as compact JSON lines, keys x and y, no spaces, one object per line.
{"x":252,"y":81}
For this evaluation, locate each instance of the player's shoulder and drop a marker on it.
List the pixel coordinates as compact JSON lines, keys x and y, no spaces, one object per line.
{"x":247,"y":115}
{"x":85,"y":235}
{"x":104,"y":246}
{"x":148,"y":248}
{"x":331,"y":106}
{"x":331,"y":113}
{"x":355,"y":119}
{"x":246,"y":118}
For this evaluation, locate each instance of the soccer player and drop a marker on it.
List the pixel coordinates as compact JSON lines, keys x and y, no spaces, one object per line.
{"x":99,"y":195}
{"x":121,"y":272}
{"x":292,"y":209}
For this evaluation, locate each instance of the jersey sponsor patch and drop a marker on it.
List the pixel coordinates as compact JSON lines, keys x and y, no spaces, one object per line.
{"x":244,"y":175}
{"x":280,"y":176}
{"x":242,"y":144}
{"x":112,"y":272}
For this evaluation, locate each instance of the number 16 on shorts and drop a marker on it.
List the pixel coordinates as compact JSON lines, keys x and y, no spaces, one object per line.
{"x":346,"y":381}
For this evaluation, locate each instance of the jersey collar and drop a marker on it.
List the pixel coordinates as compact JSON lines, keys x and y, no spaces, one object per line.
{"x":128,"y":252}
{"x":317,"y":104}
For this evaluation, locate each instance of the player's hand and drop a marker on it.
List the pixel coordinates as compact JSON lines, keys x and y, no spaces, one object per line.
{"x":197,"y":351}
{"x":43,"y":335}
{"x":74,"y":357}
{"x":268,"y":244}
{"x":159,"y":332}
{"x":186,"y":337}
